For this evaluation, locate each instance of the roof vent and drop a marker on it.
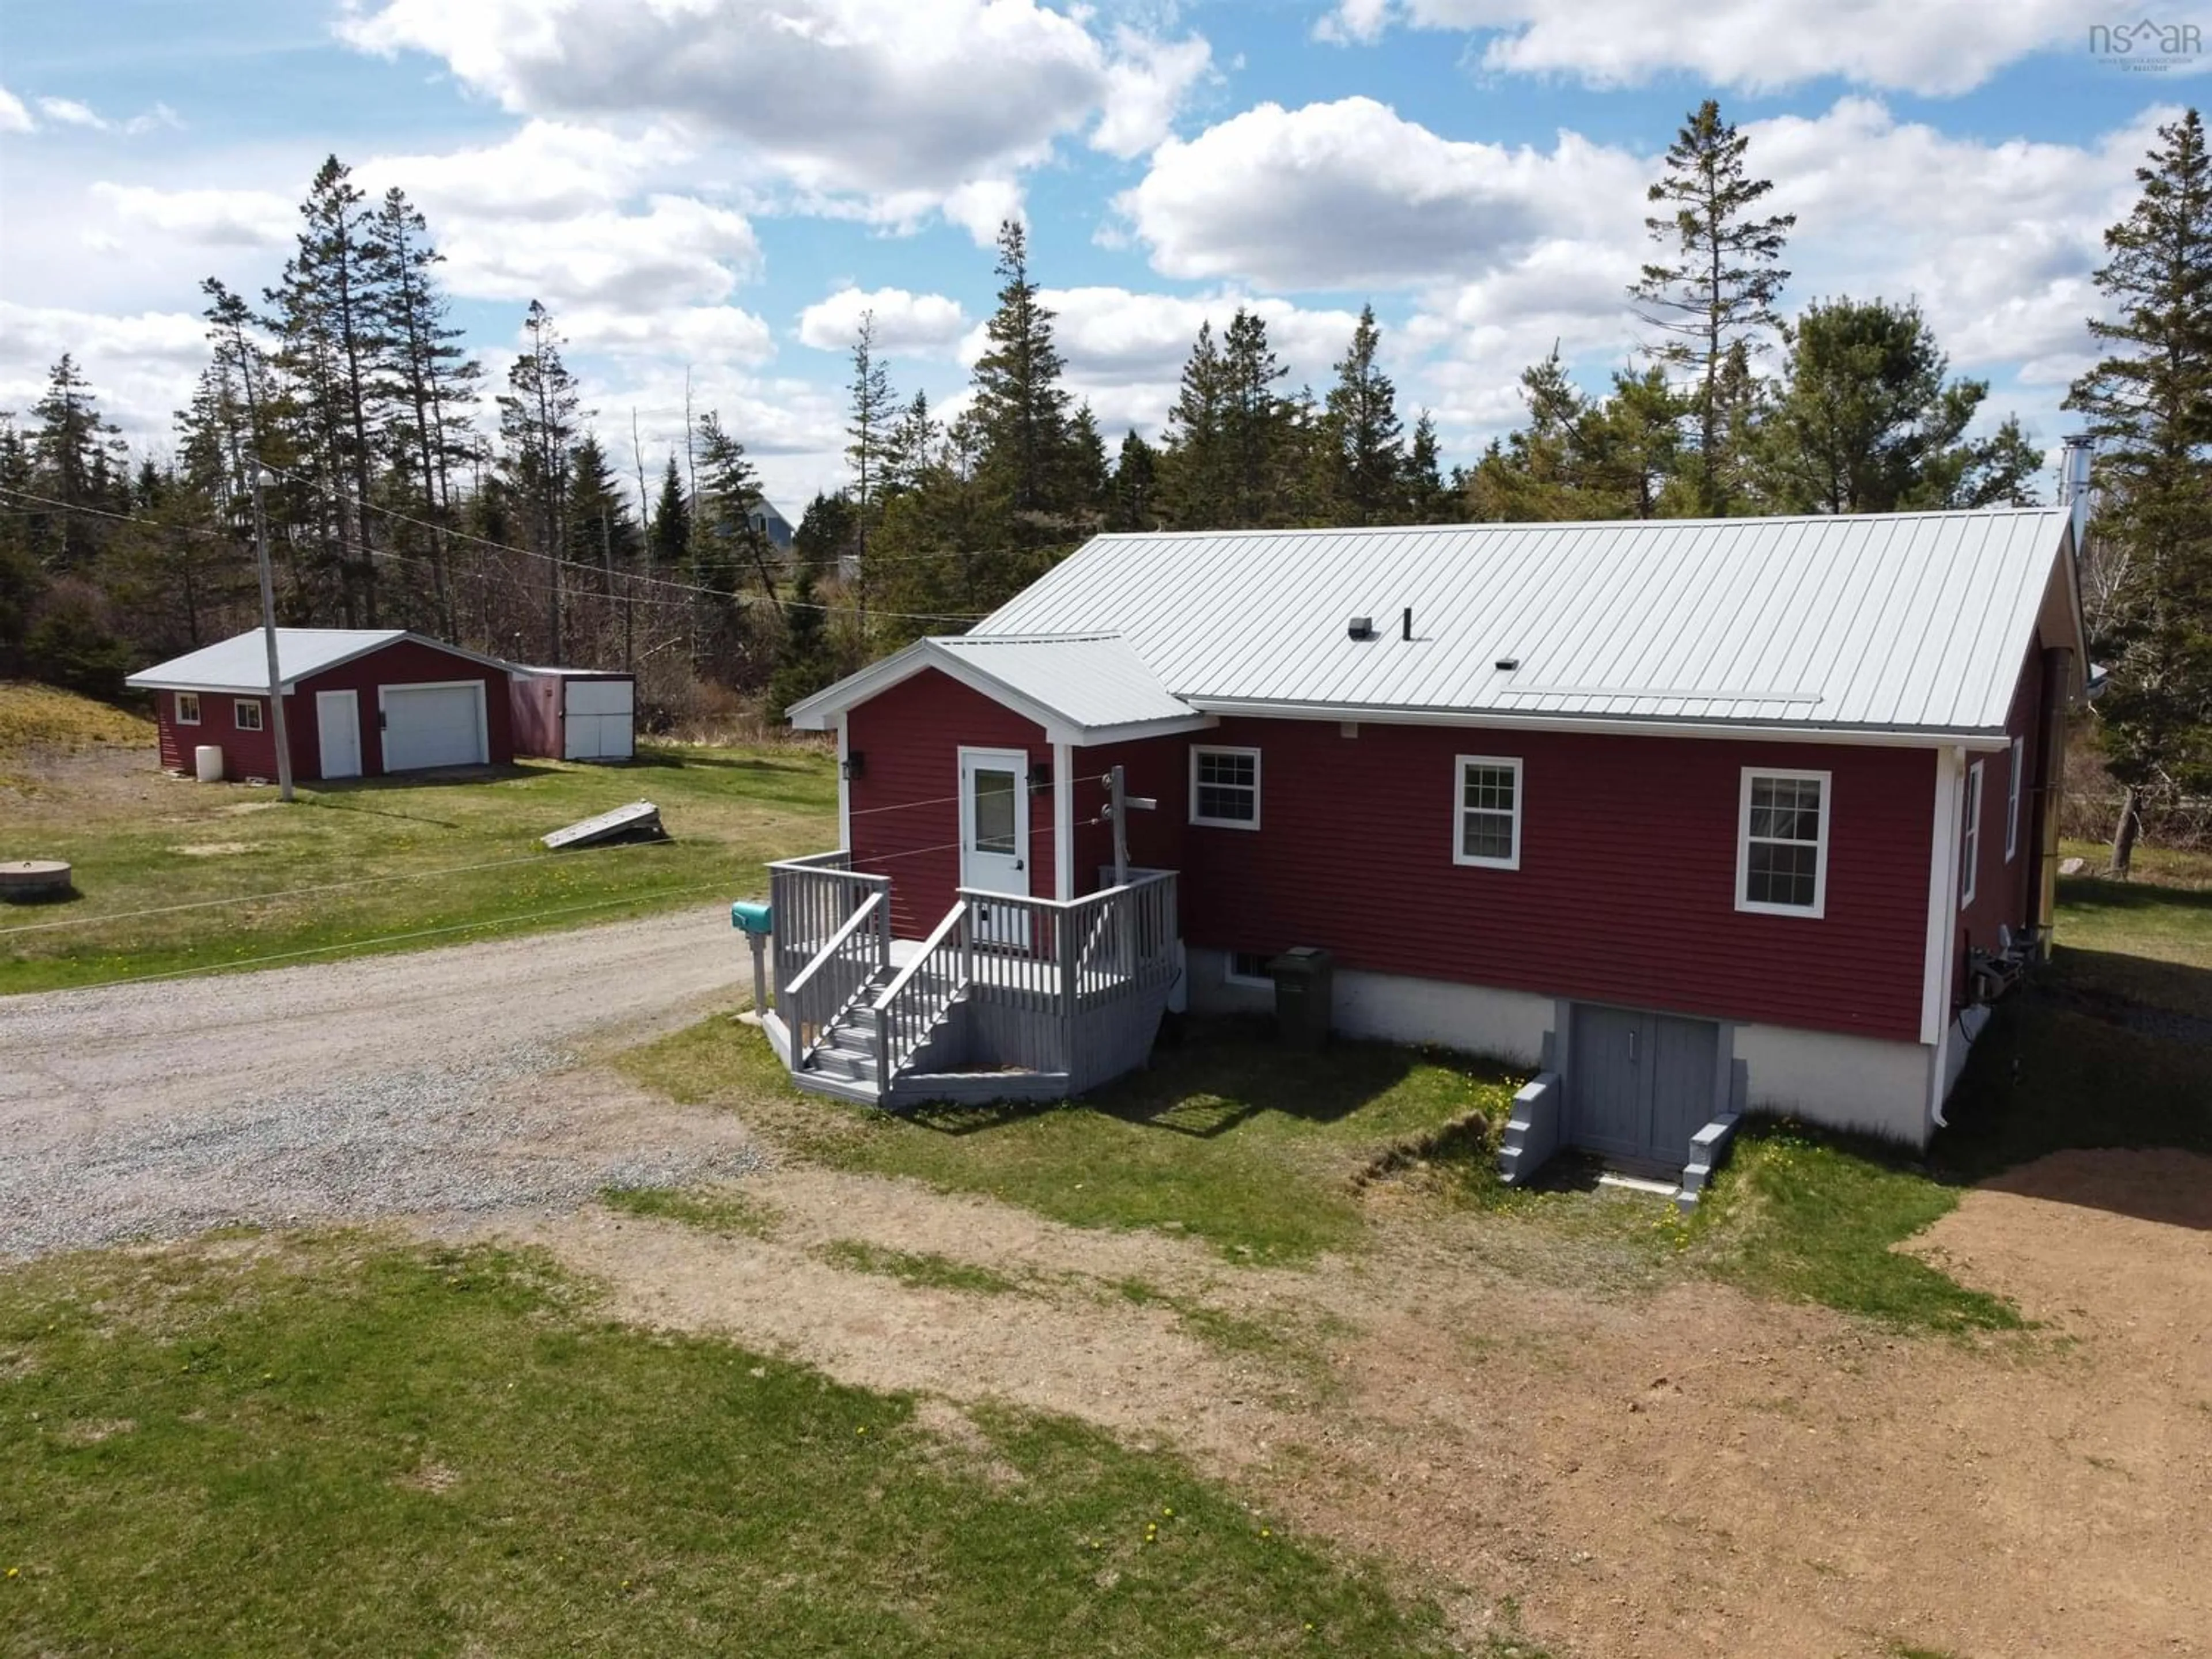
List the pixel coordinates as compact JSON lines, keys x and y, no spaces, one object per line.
{"x":1362,"y":627}
{"x":1507,"y":665}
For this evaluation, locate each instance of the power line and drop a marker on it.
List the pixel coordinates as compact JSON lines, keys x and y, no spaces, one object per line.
{"x":598,"y":570}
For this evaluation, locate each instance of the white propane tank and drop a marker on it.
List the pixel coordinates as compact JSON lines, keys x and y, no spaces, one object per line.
{"x":207,"y":762}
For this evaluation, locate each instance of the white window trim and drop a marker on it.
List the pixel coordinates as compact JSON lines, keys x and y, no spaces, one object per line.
{"x":1970,"y":838}
{"x":2012,"y":797}
{"x":1818,"y":907}
{"x":1460,"y":855}
{"x":1230,"y":977}
{"x":192,"y":719}
{"x":238,"y":708}
{"x":1253,"y":823}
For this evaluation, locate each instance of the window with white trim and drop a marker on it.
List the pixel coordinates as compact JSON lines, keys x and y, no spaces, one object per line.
{"x":245,"y":714}
{"x":1489,"y":830}
{"x":188,"y":709}
{"x":1782,"y":846}
{"x":1969,"y":842}
{"x":2012,"y":797}
{"x":1224,"y":788}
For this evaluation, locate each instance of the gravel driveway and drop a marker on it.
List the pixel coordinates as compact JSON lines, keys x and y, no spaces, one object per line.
{"x":440,"y":1081}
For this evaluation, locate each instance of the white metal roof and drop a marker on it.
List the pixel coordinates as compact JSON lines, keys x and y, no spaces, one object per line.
{"x":241,"y":663}
{"x":1081,"y":688}
{"x":1891,"y":622}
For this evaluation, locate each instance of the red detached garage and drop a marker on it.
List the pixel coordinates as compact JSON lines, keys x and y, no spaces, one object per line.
{"x":358,"y":702}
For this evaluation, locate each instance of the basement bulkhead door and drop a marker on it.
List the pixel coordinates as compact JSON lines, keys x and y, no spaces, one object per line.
{"x":1640,"y":1084}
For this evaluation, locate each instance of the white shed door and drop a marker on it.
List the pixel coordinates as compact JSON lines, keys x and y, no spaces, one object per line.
{"x":598,"y":720}
{"x":433,"y":725}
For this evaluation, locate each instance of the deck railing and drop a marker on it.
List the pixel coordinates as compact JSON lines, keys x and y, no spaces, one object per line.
{"x":822,"y":992}
{"x":811,"y":899}
{"x":912,"y":1004}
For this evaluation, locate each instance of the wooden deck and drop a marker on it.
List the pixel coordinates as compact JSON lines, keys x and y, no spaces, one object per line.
{"x":1008,"y":998}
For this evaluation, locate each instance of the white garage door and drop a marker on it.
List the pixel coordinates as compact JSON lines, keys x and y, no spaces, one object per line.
{"x":433,"y":725}
{"x":598,"y":720}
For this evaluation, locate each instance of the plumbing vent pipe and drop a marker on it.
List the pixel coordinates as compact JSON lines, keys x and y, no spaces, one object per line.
{"x":1409,"y":622}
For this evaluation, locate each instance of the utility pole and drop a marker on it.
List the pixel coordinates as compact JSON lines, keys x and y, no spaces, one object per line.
{"x":261,"y":475}
{"x":1119,"y":806}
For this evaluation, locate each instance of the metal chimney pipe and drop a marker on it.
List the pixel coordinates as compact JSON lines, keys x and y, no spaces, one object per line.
{"x":2074,"y":482}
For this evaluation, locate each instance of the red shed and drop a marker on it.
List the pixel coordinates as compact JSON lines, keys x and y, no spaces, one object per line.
{"x":1697,"y":818}
{"x":574,"y":714}
{"x":358,"y":702}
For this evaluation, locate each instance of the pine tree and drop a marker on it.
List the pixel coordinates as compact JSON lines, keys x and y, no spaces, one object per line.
{"x":1429,"y":498}
{"x":2149,"y":405}
{"x":1131,"y":503}
{"x":827,"y":531}
{"x":668,"y":541}
{"x":430,"y":378}
{"x":1866,"y":420}
{"x":539,"y":417}
{"x":1717,"y":290}
{"x":1197,"y":465}
{"x":1254,"y":422}
{"x":868,"y":423}
{"x":75,"y":453}
{"x":724,"y":531}
{"x":913,"y":439}
{"x":1021,"y":408}
{"x":1363,"y":446}
{"x":329,"y":317}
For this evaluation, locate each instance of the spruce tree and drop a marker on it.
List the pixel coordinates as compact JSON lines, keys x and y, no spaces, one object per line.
{"x":1021,"y":407}
{"x":1713,"y":292}
{"x":1198,"y":462}
{"x":1254,"y":421}
{"x":729,"y":540}
{"x":1131,"y":502}
{"x":668,"y":541}
{"x":1364,"y":449}
{"x":538,"y":422}
{"x":74,"y":454}
{"x":2148,"y":401}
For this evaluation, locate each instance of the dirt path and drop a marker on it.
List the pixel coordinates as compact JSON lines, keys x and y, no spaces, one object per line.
{"x":1692,"y":1472}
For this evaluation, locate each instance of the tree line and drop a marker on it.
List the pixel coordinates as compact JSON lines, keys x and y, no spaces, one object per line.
{"x":386,"y":504}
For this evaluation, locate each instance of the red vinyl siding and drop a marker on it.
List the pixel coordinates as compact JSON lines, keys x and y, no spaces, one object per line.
{"x":906,"y":813}
{"x":1626,"y":888}
{"x":402,"y":663}
{"x":253,"y":754}
{"x":2002,"y":895}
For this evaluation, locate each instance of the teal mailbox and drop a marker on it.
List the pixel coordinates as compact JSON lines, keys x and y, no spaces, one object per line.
{"x":752,"y":918}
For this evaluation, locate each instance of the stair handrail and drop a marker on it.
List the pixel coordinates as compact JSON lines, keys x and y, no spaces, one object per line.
{"x":803,"y":992}
{"x":903,"y":1020}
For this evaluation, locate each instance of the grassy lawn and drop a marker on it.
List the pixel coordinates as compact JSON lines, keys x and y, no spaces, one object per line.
{"x":409,"y":852}
{"x":340,"y":1446}
{"x":1228,"y":1136}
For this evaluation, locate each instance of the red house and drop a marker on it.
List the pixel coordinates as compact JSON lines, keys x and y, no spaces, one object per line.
{"x":1698,"y":816}
{"x":358,"y":702}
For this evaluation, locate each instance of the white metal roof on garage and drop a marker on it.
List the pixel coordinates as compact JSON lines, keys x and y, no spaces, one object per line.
{"x":240,"y":664}
{"x":1910,"y":624}
{"x":1905,"y":622}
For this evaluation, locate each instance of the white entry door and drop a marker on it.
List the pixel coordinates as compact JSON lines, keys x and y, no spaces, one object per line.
{"x":338,"y":733}
{"x":994,"y":838}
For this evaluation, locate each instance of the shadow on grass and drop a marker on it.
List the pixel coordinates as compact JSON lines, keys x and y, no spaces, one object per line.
{"x":805,"y":763}
{"x":2091,"y":894}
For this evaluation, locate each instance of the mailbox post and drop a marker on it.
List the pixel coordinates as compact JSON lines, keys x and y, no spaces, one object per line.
{"x":755,"y":921}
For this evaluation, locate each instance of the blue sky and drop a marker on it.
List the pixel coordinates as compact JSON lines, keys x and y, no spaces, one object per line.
{"x":718,"y":187}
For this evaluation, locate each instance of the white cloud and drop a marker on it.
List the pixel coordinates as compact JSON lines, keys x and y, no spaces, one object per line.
{"x":1350,"y":195}
{"x":679,"y":252}
{"x":701,"y":334}
{"x":1144,"y":88}
{"x":204,"y":218}
{"x":141,"y":367}
{"x":1752,"y":44}
{"x":897,"y":102}
{"x":546,"y":170}
{"x":14,"y":117}
{"x":69,"y":113}
{"x":923,"y":325}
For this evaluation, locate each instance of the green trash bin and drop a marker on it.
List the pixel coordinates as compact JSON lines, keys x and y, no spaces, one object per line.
{"x":1306,"y":988}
